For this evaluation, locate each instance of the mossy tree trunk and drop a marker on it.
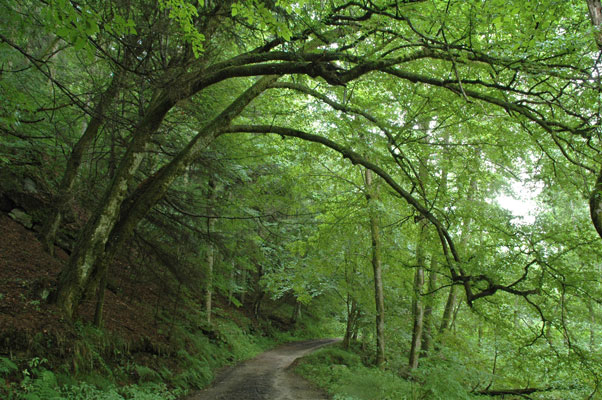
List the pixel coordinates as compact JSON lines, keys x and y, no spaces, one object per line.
{"x":149,"y":192}
{"x":75,"y":277}
{"x":65,"y":189}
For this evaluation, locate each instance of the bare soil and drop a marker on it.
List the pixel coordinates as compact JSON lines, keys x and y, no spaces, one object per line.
{"x":26,"y":271}
{"x":266,"y":377}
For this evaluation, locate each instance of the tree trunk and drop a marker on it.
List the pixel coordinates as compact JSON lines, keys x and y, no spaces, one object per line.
{"x":417,"y":307}
{"x":595,"y":198}
{"x":150,"y":191}
{"x":210,"y":259}
{"x":455,"y":316}
{"x":75,"y":277}
{"x":64,"y":191}
{"x":259,"y":293}
{"x":595,"y":204}
{"x":427,"y":332}
{"x":372,"y":197}
{"x":595,"y":15}
{"x":418,"y":315}
{"x":209,"y":278}
{"x":232,"y":283}
{"x":352,"y":307}
{"x":83,"y":273}
{"x":100,"y":302}
{"x":296,"y":312}
{"x":243,"y":285}
{"x":257,"y":305}
{"x":450,"y":304}
{"x":352,"y":314}
{"x":452,"y":295}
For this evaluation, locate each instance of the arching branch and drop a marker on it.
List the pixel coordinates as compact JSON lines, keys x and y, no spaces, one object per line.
{"x":446,"y":240}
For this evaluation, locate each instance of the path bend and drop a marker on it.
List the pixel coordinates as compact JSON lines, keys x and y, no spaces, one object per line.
{"x":266,"y":377}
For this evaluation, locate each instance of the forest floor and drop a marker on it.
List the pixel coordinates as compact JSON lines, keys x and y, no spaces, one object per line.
{"x":133,"y":333}
{"x":26,"y":272}
{"x":267,"y":376}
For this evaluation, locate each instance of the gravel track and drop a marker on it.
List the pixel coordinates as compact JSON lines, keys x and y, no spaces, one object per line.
{"x":266,"y":377}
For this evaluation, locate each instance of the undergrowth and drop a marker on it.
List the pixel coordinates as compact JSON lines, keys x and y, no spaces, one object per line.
{"x":345,"y":377}
{"x":103,"y":368}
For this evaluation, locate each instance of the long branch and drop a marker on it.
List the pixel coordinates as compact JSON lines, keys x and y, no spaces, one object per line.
{"x":355,"y":158}
{"x":547,"y":125}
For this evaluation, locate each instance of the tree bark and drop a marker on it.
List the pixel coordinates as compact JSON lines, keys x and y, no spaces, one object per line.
{"x":455,"y":316}
{"x":417,"y":303}
{"x":450,"y":303}
{"x":243,"y":285}
{"x":100,"y":302}
{"x":232,"y":283}
{"x":296,"y":312}
{"x":257,"y":305}
{"x":372,"y":197}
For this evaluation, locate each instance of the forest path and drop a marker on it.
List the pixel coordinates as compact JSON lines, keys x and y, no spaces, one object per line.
{"x":266,"y":377}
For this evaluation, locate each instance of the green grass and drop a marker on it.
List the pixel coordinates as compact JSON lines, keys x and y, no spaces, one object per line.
{"x":343,"y":375}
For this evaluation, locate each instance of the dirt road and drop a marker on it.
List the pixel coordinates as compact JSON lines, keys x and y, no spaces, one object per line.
{"x":266,"y":377}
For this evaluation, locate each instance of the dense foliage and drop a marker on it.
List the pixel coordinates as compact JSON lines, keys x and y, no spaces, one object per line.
{"x":355,"y":159}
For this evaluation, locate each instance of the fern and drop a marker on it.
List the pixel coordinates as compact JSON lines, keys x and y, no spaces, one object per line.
{"x":7,"y":367}
{"x":147,"y":374}
{"x":43,"y":387}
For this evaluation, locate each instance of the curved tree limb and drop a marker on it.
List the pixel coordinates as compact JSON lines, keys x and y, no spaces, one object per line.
{"x":447,"y":242}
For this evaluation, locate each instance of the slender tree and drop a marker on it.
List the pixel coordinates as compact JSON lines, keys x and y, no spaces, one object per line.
{"x":379,"y":298}
{"x":210,"y":257}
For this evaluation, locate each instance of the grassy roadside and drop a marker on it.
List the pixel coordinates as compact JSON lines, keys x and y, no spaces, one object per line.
{"x":106,"y":370}
{"x":346,"y":375}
